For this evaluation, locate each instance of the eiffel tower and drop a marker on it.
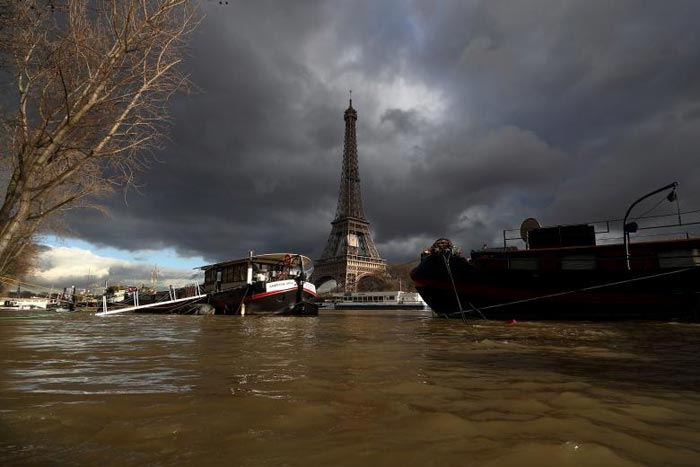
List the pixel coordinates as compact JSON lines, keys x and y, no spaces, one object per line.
{"x":350,"y":253}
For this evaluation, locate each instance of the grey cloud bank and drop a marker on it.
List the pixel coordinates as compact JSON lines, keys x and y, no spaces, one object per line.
{"x":472,"y":116}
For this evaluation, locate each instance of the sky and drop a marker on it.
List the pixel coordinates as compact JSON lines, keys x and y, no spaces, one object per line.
{"x":472,"y":116}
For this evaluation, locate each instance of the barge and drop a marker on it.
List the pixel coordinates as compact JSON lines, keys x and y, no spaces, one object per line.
{"x":564,"y":273}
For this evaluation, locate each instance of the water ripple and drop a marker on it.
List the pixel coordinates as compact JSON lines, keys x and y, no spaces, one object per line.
{"x":347,"y":388}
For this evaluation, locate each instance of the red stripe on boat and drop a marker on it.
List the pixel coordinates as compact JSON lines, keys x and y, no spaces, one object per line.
{"x":267,"y":294}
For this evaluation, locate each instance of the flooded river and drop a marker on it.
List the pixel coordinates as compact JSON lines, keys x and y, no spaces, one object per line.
{"x":346,"y":388}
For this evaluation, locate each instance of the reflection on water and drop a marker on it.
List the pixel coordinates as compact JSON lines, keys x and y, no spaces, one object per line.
{"x":346,"y":388}
{"x":99,"y":356}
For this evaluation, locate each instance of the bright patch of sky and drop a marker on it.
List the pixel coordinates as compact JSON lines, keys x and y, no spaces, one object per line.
{"x":166,"y":257}
{"x":68,"y":262}
{"x":64,"y":263}
{"x":407,"y":95}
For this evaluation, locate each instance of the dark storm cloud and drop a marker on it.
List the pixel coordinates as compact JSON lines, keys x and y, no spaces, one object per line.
{"x":472,"y":116}
{"x":405,"y":121}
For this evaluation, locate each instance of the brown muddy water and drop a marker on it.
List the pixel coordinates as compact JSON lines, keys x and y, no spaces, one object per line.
{"x":346,"y":388}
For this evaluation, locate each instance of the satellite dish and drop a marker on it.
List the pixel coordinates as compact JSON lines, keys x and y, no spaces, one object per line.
{"x":528,"y":224}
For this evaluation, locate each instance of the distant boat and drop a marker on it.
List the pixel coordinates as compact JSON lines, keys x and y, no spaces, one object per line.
{"x":59,"y":306}
{"x":34,"y":303}
{"x":395,"y":300}
{"x":564,"y":274}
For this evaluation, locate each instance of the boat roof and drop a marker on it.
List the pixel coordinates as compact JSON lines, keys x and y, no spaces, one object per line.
{"x":269,"y":258}
{"x":669,"y":243}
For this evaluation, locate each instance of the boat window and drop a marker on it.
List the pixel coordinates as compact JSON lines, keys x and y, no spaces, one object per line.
{"x":679,"y":258}
{"x":523,"y":263}
{"x":578,"y":262}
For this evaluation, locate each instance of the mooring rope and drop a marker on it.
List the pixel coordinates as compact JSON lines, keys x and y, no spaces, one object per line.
{"x":584,"y":289}
{"x":189,"y":302}
{"x":461,"y":311}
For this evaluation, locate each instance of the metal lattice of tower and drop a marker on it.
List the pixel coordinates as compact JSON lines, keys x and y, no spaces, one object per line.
{"x":350,"y":253}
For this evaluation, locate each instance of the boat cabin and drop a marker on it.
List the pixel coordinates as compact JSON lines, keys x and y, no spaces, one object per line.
{"x":589,"y":247}
{"x":259,"y":268}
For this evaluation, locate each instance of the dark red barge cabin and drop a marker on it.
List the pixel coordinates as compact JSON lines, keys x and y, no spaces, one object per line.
{"x":564,"y":274}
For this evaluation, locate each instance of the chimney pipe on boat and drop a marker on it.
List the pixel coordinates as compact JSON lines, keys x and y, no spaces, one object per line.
{"x":218,"y":281}
{"x":249,"y":277}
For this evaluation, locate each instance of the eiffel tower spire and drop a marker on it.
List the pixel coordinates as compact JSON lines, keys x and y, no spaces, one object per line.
{"x":350,"y":196}
{"x":350,"y":253}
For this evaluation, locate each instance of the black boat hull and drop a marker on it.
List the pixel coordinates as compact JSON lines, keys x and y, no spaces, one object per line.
{"x":256,"y":300}
{"x":667,"y":294}
{"x":291,"y":300}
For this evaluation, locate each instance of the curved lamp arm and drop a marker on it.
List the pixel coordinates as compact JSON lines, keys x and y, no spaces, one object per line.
{"x":624,"y":221}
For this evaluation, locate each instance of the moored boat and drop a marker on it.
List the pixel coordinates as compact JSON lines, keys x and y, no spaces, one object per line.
{"x":563,"y":273}
{"x":33,"y":303}
{"x":273,"y":283}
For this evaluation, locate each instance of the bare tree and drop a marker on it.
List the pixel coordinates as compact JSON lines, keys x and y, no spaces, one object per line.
{"x":85,"y":88}
{"x":25,"y":263}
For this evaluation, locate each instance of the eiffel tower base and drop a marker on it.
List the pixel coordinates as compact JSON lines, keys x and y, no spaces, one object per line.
{"x":348,"y":271}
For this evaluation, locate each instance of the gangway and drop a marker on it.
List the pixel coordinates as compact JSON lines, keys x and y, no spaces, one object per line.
{"x":173,"y":302}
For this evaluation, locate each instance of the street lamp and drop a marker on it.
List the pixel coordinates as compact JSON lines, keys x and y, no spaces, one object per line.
{"x":632,"y":226}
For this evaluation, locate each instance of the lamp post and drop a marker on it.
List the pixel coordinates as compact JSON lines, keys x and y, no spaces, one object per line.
{"x":632,"y":227}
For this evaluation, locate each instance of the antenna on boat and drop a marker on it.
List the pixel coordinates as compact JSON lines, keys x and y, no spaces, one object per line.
{"x":528,"y":224}
{"x":154,"y":276}
{"x":632,"y":226}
